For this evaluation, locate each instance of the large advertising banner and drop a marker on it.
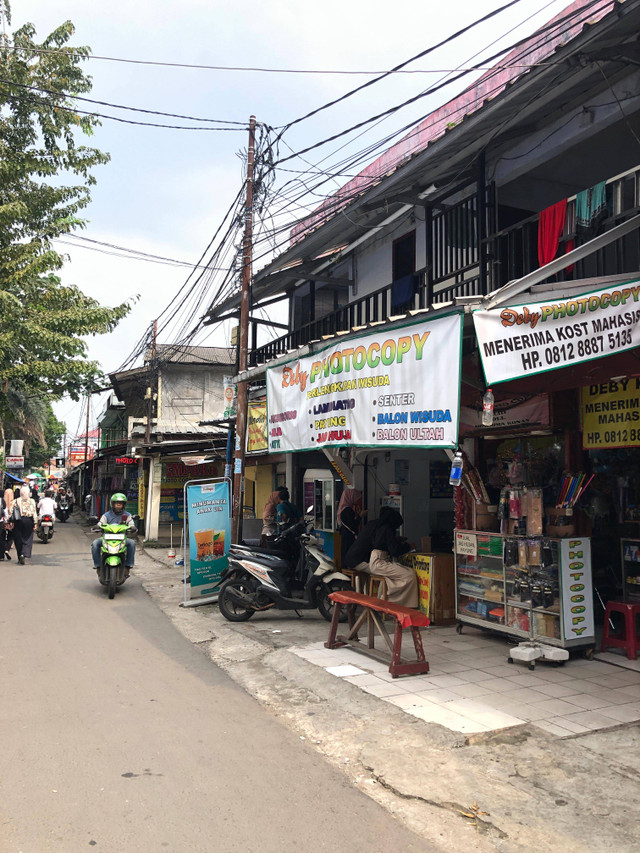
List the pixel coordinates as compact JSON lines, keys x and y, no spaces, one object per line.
{"x":393,"y":388}
{"x":611,"y":414}
{"x":209,"y":533}
{"x":523,"y":340}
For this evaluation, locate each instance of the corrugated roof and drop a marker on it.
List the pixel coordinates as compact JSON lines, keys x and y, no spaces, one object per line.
{"x":181,"y":354}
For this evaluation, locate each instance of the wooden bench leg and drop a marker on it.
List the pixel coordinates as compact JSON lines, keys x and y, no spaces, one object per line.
{"x":417,"y":643}
{"x":397,"y":650}
{"x":332,"y":642}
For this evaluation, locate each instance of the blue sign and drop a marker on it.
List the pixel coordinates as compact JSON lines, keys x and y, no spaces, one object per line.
{"x":209,"y":520}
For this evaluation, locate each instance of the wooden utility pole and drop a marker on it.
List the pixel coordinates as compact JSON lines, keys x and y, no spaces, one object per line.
{"x":152,"y":384}
{"x":86,"y":448}
{"x":243,"y":342}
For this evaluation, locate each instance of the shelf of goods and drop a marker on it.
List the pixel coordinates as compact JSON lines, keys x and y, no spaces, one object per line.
{"x":630,"y":559}
{"x":530,"y":587}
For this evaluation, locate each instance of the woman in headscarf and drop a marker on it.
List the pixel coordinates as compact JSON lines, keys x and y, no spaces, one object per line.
{"x":375,"y":550}
{"x":6,"y":524}
{"x":269,"y":514}
{"x":27,"y":512}
{"x":349,"y":517}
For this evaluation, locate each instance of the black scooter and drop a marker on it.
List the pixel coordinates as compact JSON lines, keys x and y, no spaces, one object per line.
{"x":292,"y":574}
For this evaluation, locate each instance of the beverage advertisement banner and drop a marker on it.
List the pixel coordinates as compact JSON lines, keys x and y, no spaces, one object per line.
{"x":577,"y":594}
{"x":209,"y":533}
{"x":230,"y":399}
{"x":257,"y":427}
{"x":393,"y":388}
{"x":611,"y":414}
{"x":523,"y":340}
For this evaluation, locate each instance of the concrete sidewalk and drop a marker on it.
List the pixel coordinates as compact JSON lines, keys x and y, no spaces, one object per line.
{"x":514,"y":788}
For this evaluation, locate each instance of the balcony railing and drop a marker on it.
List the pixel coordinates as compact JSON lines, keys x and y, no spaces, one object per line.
{"x":464,"y":265}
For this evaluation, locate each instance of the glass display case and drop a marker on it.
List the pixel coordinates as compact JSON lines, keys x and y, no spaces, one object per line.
{"x":527,"y":587}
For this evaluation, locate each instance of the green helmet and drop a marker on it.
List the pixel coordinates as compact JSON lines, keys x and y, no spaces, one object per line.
{"x":118,"y":498}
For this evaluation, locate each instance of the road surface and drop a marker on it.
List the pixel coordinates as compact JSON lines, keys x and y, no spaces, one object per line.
{"x":117,"y":734}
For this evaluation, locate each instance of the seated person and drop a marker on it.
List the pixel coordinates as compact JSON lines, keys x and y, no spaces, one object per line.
{"x":116,"y":515}
{"x":374,"y":551}
{"x":286,"y":512}
{"x":47,"y":505}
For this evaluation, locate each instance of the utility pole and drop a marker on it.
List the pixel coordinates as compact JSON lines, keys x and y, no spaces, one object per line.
{"x":152,"y":384}
{"x":86,"y":449}
{"x":243,"y":341}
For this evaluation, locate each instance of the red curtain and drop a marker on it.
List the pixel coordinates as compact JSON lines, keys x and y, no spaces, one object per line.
{"x":550,"y":228}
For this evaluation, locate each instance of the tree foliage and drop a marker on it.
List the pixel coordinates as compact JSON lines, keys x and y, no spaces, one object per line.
{"x":45,"y":176}
{"x":41,"y":451}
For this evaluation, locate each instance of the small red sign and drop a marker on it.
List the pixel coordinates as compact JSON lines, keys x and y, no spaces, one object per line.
{"x":126,"y":460}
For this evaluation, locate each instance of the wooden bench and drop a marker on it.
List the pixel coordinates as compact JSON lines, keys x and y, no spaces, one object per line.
{"x":366,"y":583}
{"x":372,"y":610}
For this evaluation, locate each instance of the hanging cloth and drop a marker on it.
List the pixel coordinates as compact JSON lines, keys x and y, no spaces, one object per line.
{"x":591,"y":210}
{"x":550,"y":228}
{"x":403,"y":289}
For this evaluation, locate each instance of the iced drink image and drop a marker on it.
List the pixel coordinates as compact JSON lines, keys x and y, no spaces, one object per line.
{"x":218,"y":543}
{"x":204,"y":542}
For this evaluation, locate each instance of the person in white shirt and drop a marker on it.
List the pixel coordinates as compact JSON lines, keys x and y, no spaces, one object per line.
{"x":47,"y":505}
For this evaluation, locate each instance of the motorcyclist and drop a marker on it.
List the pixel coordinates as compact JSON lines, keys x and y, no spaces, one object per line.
{"x":47,"y":506}
{"x":116,"y":515}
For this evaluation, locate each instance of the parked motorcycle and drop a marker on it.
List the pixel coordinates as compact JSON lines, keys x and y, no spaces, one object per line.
{"x":45,"y":528}
{"x":63,"y":510}
{"x":292,"y":574}
{"x":113,"y":550}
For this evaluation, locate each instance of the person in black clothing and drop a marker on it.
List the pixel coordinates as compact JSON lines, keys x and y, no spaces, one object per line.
{"x":349,"y":517}
{"x":375,"y":550}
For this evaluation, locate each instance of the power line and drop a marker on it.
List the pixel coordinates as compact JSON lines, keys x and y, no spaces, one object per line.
{"x":132,"y":254}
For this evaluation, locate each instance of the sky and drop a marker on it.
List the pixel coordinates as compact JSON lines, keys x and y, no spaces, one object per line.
{"x":165,"y":191}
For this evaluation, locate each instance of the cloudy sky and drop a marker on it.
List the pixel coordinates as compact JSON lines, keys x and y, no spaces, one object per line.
{"x":165,"y":191}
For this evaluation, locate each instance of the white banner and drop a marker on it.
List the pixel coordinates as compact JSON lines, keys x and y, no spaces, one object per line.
{"x":393,"y":388}
{"x":577,"y":594}
{"x":523,"y":340}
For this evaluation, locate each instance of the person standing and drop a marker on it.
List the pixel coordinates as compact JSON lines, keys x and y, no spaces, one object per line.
{"x":287,"y":513}
{"x":349,"y":518}
{"x":24,"y":514}
{"x":269,"y":516}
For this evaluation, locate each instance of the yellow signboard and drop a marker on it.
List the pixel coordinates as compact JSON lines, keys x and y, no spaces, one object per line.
{"x":257,"y":427}
{"x":611,"y":414}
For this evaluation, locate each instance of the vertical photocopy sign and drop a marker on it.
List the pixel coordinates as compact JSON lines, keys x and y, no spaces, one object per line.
{"x":209,"y":531}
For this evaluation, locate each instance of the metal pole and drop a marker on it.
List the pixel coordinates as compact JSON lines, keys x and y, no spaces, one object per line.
{"x":241,"y":415}
{"x":152,"y":384}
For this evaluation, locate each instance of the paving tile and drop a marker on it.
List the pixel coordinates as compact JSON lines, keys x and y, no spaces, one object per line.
{"x":522,"y":680}
{"x":469,"y":691}
{"x":589,"y":702}
{"x":521,"y":710}
{"x":415,"y":683}
{"x":570,"y":725}
{"x":619,"y":659}
{"x":489,"y":717}
{"x":556,"y":691}
{"x":526,"y":694}
{"x":472,"y":676}
{"x":622,"y":713}
{"x":553,"y":728}
{"x":448,"y":667}
{"x":407,"y":700}
{"x":344,"y":670}
{"x":385,"y":689}
{"x":548,"y":673}
{"x":445,"y":681}
{"x":438,"y":696}
{"x":556,"y":707}
{"x":593,"y":720}
{"x":455,"y":722}
{"x":364,"y":680}
{"x":504,"y":670}
{"x":632,"y":690}
{"x":580,"y":685}
{"x":613,"y":680}
{"x":500,"y":685}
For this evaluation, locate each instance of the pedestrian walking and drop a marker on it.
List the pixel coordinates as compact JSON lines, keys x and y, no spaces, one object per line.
{"x":6,"y":524}
{"x":25,"y":513}
{"x":349,"y":519}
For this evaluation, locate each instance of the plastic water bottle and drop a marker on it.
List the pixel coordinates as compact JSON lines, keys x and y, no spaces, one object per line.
{"x":456,"y":470}
{"x":487,"y":408}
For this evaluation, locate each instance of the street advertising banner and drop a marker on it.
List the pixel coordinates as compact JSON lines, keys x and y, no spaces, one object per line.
{"x":393,"y":388}
{"x":208,"y":533}
{"x":257,"y":427}
{"x":577,"y":591}
{"x":516,"y":412}
{"x":611,"y":414}
{"x":523,"y":340}
{"x":230,"y":397}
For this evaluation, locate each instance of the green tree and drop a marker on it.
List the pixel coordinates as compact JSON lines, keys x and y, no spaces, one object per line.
{"x":41,"y":451}
{"x":45,"y":176}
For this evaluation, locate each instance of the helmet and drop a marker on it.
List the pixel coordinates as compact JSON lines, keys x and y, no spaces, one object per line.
{"x":118,"y":498}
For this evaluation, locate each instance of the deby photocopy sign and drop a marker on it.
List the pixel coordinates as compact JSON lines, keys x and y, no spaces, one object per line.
{"x":522,"y":340}
{"x":393,"y":388}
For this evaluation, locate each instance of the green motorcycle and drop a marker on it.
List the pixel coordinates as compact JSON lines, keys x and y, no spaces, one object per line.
{"x":113,"y":572}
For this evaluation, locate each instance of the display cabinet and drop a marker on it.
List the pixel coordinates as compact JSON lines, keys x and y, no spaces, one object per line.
{"x":527,"y":587}
{"x":630,"y":561}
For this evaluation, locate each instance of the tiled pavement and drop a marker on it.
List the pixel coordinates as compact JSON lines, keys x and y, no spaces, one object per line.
{"x":471,"y":687}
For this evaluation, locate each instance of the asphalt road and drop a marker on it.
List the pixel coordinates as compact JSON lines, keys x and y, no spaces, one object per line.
{"x":117,"y":734}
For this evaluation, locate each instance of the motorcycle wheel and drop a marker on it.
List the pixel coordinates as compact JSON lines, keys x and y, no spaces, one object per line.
{"x":232,"y":611}
{"x":111,"y":586}
{"x":325,"y":605}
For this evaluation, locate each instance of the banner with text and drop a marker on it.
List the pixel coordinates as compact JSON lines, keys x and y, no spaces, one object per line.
{"x":209,"y":531}
{"x":393,"y":388}
{"x":257,"y":427}
{"x":611,"y":414}
{"x":523,"y":340}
